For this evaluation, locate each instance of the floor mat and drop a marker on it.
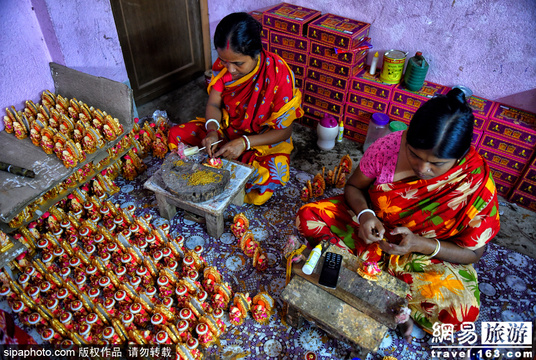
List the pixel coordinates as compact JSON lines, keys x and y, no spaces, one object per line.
{"x":507,"y":279}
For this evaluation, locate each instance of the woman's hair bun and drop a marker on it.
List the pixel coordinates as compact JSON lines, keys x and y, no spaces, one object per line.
{"x":456,"y":97}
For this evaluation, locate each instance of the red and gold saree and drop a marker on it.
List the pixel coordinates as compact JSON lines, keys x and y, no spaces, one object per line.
{"x":460,"y":206}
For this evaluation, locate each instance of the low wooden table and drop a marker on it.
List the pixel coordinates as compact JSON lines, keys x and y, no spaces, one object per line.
{"x":211,"y":210}
{"x":358,"y":311}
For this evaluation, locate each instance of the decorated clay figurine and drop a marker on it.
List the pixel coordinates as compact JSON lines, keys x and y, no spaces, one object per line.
{"x":240,"y":225}
{"x":262,"y":307}
{"x":369,"y":270}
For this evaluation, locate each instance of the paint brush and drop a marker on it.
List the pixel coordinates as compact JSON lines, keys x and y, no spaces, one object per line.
{"x":194,"y":149}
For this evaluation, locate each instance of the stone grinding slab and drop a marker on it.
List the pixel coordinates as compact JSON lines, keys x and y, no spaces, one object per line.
{"x":192,"y":181}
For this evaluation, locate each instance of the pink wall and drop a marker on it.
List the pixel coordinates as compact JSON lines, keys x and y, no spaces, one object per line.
{"x":79,"y":34}
{"x":487,"y":45}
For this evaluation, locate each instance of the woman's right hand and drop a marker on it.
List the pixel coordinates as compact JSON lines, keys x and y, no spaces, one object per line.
{"x":232,"y":150}
{"x":210,"y":139}
{"x":371,"y":229}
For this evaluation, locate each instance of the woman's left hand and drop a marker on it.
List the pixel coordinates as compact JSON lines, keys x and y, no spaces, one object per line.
{"x":232,"y":150}
{"x":409,"y":243}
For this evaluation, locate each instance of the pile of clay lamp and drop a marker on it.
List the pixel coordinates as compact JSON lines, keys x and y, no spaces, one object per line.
{"x":98,"y":274}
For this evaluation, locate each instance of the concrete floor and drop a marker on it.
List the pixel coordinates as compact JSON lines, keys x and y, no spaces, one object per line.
{"x":518,"y":225}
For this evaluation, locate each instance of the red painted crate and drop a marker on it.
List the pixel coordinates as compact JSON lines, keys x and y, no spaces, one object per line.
{"x":415,"y":99}
{"x":329,"y":79}
{"x":322,"y":103}
{"x":335,"y":67}
{"x":297,"y":43}
{"x":370,"y":85}
{"x":328,"y":52}
{"x":289,"y":54}
{"x":337,"y":31}
{"x":367,"y":103}
{"x":288,"y":18}
{"x":326,"y":91}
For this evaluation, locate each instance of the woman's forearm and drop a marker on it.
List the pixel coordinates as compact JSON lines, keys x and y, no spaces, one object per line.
{"x":270,"y":137}
{"x":451,"y":252}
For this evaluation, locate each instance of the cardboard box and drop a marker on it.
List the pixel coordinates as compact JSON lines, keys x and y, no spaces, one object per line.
{"x":481,"y":107}
{"x":531,"y":174}
{"x":299,"y":70}
{"x":400,"y":113}
{"x":516,"y":131}
{"x":288,"y":18}
{"x":351,"y":110}
{"x":325,"y":90}
{"x":356,"y":136}
{"x":497,"y":158}
{"x":316,"y":112}
{"x":328,"y":52}
{"x":370,"y":85}
{"x":290,"y":55}
{"x":527,"y":187}
{"x":334,"y":67}
{"x":415,"y":99}
{"x":265,"y":45}
{"x":356,"y":123}
{"x":480,"y":123}
{"x":367,"y":103}
{"x":322,"y":103}
{"x":308,"y":121}
{"x":504,"y":146}
{"x":329,"y":79}
{"x":512,"y":114}
{"x":257,"y":15}
{"x":299,"y":82}
{"x":337,"y":31}
{"x":528,"y":202}
{"x":503,"y":189}
{"x":504,"y":175}
{"x":477,"y":135}
{"x":299,"y":44}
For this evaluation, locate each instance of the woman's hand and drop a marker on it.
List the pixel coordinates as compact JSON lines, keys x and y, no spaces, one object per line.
{"x":232,"y":150}
{"x":371,"y":228}
{"x":409,"y":243}
{"x":210,"y":139}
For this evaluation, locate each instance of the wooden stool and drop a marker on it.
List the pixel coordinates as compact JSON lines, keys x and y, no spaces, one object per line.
{"x":211,"y":210}
{"x":358,"y":311}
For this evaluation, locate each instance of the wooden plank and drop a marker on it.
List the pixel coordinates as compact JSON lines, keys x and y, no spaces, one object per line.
{"x":338,"y":318}
{"x":379,"y":299}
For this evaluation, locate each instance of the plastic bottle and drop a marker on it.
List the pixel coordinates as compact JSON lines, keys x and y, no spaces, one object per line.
{"x":341,"y":131}
{"x":312,"y":260}
{"x":374,"y":64}
{"x":397,"y":126}
{"x":416,"y":72}
{"x":377,"y":128}
{"x":327,"y":131}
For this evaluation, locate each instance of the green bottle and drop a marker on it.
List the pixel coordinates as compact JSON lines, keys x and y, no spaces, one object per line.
{"x":416,"y":72}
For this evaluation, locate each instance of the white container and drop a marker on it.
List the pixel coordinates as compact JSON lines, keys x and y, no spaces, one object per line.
{"x":326,"y":137}
{"x":378,"y":127}
{"x":311,"y":262}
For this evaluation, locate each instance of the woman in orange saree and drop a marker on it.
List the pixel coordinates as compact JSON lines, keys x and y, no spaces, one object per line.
{"x":252,"y":104}
{"x":432,"y":198}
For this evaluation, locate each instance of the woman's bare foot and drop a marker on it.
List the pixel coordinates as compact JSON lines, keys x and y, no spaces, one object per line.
{"x":406,"y":329}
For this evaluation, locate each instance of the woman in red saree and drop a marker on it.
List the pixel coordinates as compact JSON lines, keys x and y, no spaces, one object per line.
{"x":432,"y":197}
{"x":252,"y":104}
